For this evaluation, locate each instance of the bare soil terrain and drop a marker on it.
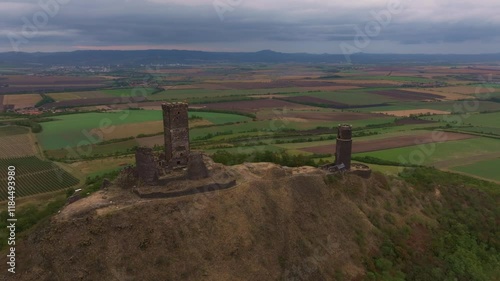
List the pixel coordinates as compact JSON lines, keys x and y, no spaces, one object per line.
{"x":315,"y":100}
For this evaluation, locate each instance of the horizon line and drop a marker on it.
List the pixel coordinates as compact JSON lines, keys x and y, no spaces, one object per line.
{"x":248,"y":52}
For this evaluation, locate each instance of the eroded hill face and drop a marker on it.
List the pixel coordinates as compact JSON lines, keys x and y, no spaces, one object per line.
{"x":275,"y":224}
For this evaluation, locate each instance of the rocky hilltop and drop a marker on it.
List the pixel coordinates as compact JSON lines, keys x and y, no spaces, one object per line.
{"x":275,"y":223}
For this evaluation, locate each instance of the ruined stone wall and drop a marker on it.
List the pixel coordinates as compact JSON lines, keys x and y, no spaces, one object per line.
{"x":176,"y":129}
{"x":344,"y":146}
{"x":361,"y":170}
{"x":146,"y":165}
{"x":196,"y":168}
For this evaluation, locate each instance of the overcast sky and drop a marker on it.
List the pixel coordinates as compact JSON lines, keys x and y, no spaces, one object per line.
{"x":313,"y":26}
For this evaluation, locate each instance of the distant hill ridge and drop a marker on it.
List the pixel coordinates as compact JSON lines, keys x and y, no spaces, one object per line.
{"x":112,"y":57}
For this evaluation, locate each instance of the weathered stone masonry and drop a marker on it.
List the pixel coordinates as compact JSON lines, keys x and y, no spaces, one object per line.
{"x":146,"y":163}
{"x":344,"y":146}
{"x":176,"y":129}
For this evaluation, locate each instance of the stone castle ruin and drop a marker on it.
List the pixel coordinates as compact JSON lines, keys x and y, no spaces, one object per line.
{"x":343,"y":153}
{"x":177,"y":170}
{"x":150,"y":166}
{"x":177,"y":165}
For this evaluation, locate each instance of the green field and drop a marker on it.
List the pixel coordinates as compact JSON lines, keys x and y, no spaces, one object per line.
{"x":35,"y":176}
{"x":352,"y":97}
{"x":276,"y":125}
{"x":450,"y":106}
{"x":72,"y":130}
{"x":445,"y":154}
{"x":191,"y":94}
{"x":488,"y":85}
{"x":129,"y":92}
{"x":480,"y":130}
{"x":478,"y":120}
{"x":488,"y":169}
{"x":247,"y":150}
{"x":65,"y":96}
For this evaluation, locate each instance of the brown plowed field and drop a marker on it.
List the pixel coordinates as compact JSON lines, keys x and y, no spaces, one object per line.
{"x":98,"y":101}
{"x":23,"y":83}
{"x":388,"y":143}
{"x":407,"y":95}
{"x":315,"y":100}
{"x":330,"y":88}
{"x":50,"y":80}
{"x":332,"y":116}
{"x":252,"y":105}
{"x":409,"y":112}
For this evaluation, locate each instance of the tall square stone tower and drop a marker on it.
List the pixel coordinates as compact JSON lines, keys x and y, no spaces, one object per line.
{"x":344,"y":146}
{"x":176,"y":129}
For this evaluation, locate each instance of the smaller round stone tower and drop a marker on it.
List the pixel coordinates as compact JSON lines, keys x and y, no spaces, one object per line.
{"x":344,"y":146}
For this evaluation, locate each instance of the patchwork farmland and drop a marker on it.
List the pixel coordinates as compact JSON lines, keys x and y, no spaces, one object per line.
{"x":94,"y":121}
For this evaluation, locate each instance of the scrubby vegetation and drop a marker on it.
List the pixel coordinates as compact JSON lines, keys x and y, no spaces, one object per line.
{"x":457,"y":239}
{"x":378,"y":161}
{"x":45,"y":99}
{"x":35,"y":127}
{"x":30,"y":215}
{"x":281,"y":158}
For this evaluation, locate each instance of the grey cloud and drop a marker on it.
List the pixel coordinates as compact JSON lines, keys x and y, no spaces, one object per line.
{"x":121,"y":22}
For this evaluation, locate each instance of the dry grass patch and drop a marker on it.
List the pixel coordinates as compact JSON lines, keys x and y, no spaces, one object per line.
{"x":151,"y":141}
{"x":94,"y":166}
{"x":22,"y":101}
{"x":464,"y":90}
{"x":132,"y":130}
{"x":64,"y":96}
